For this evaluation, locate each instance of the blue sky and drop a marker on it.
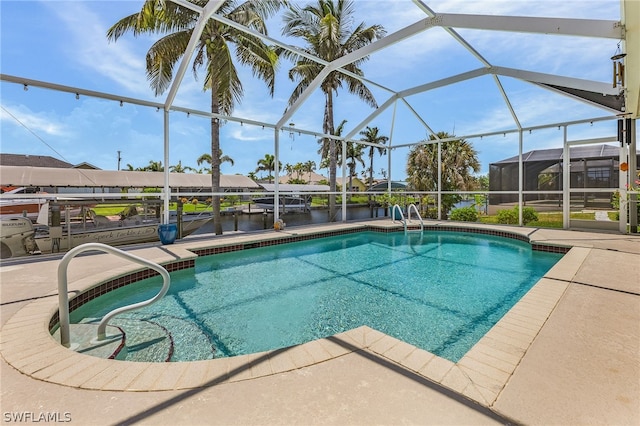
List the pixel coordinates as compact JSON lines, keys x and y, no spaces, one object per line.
{"x":64,"y":42}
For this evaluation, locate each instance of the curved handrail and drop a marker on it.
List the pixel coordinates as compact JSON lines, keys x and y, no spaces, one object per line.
{"x":393,"y":215}
{"x":393,"y":210}
{"x":63,"y":297}
{"x":417,"y":214}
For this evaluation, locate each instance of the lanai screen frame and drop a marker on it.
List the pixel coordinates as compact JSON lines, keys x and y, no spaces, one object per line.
{"x":563,"y":85}
{"x":578,"y":27}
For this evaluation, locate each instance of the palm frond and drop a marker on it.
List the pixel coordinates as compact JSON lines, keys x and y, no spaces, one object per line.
{"x":162,"y":57}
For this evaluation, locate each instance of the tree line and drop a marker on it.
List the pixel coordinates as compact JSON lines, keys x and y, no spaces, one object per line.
{"x":327,"y":30}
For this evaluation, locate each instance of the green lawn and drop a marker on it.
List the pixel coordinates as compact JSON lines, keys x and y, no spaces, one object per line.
{"x":114,"y":209}
{"x":546,"y":219}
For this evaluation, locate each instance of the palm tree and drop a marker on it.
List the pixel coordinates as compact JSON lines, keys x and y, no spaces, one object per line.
{"x":325,"y":26}
{"x":288,"y":168}
{"x":179,"y":168}
{"x":268,"y":164}
{"x":459,"y":160}
{"x":206,"y":158}
{"x":298,"y":168}
{"x":309,"y":167}
{"x":214,"y":52}
{"x":370,"y":134}
{"x":154,"y":166}
{"x":354,"y":156}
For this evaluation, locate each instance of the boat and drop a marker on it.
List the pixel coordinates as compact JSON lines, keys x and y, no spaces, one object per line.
{"x":21,"y":207}
{"x":289,"y":202}
{"x":19,"y":237}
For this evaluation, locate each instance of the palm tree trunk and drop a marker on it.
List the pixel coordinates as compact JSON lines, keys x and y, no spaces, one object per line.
{"x":370,"y":171}
{"x":215,"y":162}
{"x":371,"y":152}
{"x":328,"y":129}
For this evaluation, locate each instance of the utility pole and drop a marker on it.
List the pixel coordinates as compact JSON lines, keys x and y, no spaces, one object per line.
{"x":119,"y":158}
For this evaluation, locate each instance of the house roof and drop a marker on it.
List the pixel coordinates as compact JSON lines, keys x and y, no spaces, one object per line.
{"x":311,"y":178}
{"x":555,"y":154}
{"x":290,"y":187}
{"x":85,"y":165}
{"x":79,"y":178}
{"x":28,"y":160}
{"x":383,"y":185}
{"x":345,"y":180}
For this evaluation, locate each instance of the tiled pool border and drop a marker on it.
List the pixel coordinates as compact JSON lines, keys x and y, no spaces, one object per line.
{"x":480,"y":375}
{"x":117,"y":282}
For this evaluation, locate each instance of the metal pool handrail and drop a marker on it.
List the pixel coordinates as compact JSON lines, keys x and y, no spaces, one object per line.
{"x":417,"y":214}
{"x":63,"y":297}
{"x":408,"y":218}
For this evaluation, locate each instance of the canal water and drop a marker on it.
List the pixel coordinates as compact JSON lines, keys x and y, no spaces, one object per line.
{"x":257,"y":221}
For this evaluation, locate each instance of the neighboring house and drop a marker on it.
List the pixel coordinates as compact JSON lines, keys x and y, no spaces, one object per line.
{"x":74,"y":180}
{"x":28,"y":160}
{"x":592,"y":166}
{"x":41,"y":172}
{"x":356,"y":184}
{"x":383,"y":185}
{"x":86,"y":166}
{"x":310,"y":178}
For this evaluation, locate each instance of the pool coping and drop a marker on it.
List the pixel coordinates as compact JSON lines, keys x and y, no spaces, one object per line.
{"x":482,"y":373}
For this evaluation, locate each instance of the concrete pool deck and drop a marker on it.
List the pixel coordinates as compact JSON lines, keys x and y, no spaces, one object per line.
{"x":567,"y":353}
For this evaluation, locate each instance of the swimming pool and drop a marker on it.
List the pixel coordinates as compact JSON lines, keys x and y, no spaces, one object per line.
{"x":440,"y":291}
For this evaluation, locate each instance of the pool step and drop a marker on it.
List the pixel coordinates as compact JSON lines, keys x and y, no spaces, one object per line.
{"x":83,"y":339}
{"x":191,"y":342}
{"x":162,"y":338}
{"x":145,"y":340}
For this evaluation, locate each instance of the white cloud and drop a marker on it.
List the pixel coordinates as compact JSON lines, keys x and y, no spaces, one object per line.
{"x":86,"y":44}
{"x":36,"y":123}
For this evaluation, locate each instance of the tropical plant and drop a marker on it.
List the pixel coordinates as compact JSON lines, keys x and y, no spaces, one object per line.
{"x":309,"y":167}
{"x":298,"y":169}
{"x":511,"y":216}
{"x":354,"y":156}
{"x":206,"y":158}
{"x":179,"y":168}
{"x":459,"y":161}
{"x":268,"y":164}
{"x":371,"y":135}
{"x":154,"y":166}
{"x":464,"y":214}
{"x":213,"y":52}
{"x":326,"y":28}
{"x":288,"y":168}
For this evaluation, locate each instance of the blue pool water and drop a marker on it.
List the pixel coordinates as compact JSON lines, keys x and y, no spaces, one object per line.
{"x":440,"y":291}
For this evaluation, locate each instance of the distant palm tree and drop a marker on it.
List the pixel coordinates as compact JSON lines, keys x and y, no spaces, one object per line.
{"x":176,"y":23}
{"x":288,"y":168}
{"x":268,"y":164}
{"x":179,"y":168}
{"x":370,"y":134}
{"x":154,"y":166}
{"x":326,"y":27}
{"x":354,"y":156}
{"x":252,"y":175}
{"x":206,"y":158}
{"x":309,"y":167}
{"x":298,"y":168}
{"x":459,"y":160}
{"x":353,"y":152}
